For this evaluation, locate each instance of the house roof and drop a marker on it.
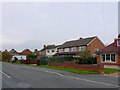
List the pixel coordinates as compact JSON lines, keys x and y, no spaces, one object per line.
{"x":79,"y":42}
{"x":49,"y":47}
{"x":25,"y":50}
{"x":70,"y":53}
{"x":112,"y":48}
{"x":13,"y":51}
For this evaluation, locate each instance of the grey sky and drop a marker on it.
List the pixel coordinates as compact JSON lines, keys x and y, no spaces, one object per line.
{"x":31,"y":25}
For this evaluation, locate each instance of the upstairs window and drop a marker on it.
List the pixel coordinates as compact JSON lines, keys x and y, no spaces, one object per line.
{"x":66,"y":49}
{"x":73,"y":49}
{"x":118,"y":43}
{"x":82,"y":48}
{"x":48,"y":51}
{"x":53,"y":51}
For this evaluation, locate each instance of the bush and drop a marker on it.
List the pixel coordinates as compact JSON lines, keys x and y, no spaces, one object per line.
{"x":31,"y":57}
{"x":6,"y":56}
{"x":77,"y":60}
{"x":89,"y":60}
{"x":43,"y":62}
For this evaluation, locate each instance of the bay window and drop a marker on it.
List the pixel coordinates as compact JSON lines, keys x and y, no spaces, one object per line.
{"x":108,"y":58}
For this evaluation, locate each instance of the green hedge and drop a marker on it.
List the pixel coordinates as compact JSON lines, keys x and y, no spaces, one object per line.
{"x":31,"y":56}
{"x":77,"y":60}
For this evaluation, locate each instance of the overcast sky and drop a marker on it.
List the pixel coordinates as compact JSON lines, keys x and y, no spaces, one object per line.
{"x":32,"y":25}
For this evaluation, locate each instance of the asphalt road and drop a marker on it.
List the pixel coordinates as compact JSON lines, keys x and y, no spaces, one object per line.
{"x":17,"y":76}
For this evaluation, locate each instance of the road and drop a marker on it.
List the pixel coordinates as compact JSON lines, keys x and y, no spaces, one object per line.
{"x":18,"y":76}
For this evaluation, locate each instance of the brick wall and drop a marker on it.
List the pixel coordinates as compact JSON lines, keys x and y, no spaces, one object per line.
{"x":30,"y":61}
{"x":72,"y":65}
{"x":96,"y":44}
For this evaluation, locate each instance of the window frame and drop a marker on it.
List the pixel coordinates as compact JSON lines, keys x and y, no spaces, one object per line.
{"x":73,"y":49}
{"x":66,"y":50}
{"x":82,"y":48}
{"x":107,"y":61}
{"x":118,"y":43}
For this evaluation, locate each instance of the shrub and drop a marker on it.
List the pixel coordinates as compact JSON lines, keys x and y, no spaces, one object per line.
{"x":31,"y":57}
{"x":6,"y":56}
{"x":43,"y":62}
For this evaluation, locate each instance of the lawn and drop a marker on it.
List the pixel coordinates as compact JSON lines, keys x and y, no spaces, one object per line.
{"x":106,"y":70}
{"x":110,"y":70}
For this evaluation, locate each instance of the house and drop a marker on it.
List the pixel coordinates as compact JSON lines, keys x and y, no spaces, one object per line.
{"x":14,"y":52}
{"x":74,"y":47}
{"x":19,"y":57}
{"x":49,"y":50}
{"x":110,"y":55}
{"x":42,"y":52}
{"x":26,"y":52}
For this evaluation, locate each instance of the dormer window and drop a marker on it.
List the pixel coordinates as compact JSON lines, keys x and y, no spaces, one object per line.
{"x":118,"y":42}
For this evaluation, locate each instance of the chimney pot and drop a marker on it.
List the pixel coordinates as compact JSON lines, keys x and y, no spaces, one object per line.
{"x":80,"y":38}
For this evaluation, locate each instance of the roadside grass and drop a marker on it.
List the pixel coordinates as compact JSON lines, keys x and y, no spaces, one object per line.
{"x":110,"y":70}
{"x":106,"y":70}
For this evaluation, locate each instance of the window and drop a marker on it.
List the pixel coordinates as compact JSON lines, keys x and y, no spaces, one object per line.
{"x":103,"y":57}
{"x":48,"y":51}
{"x":66,"y":49}
{"x":113,"y":57}
{"x":97,"y":49}
{"x":118,"y":42}
{"x":82,"y":48}
{"x":73,"y":49}
{"x":52,"y":50}
{"x":108,"y":58}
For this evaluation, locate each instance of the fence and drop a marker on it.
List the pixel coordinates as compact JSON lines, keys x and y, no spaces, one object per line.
{"x":72,"y":65}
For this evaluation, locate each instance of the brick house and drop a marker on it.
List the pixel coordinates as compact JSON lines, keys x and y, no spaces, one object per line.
{"x":90,"y":44}
{"x":26,"y":52}
{"x":110,"y":55}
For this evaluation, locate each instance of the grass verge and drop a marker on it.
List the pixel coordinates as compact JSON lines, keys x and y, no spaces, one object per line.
{"x":110,"y":70}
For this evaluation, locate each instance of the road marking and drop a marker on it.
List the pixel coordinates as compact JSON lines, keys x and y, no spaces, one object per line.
{"x":5,"y":74}
{"x":72,"y":77}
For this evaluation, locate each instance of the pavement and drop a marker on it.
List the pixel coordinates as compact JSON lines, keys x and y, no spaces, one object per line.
{"x":18,"y":76}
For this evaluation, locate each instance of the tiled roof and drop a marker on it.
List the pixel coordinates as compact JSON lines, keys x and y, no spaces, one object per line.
{"x":25,"y":50}
{"x":49,"y":47}
{"x":14,"y":51}
{"x":112,"y":48}
{"x":70,"y":53}
{"x":80,"y":42}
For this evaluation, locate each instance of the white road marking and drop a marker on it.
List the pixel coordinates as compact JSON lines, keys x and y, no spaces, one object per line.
{"x":72,"y":77}
{"x":5,"y":74}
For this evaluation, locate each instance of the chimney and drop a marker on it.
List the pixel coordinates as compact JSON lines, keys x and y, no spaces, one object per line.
{"x":44,"y":46}
{"x":80,"y":38}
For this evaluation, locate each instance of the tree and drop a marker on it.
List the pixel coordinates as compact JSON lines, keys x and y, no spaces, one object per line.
{"x":36,"y":52}
{"x":84,"y":54}
{"x":6,"y":56}
{"x":31,"y":57}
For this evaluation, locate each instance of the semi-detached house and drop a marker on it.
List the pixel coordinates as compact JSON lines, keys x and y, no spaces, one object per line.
{"x":90,"y":44}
